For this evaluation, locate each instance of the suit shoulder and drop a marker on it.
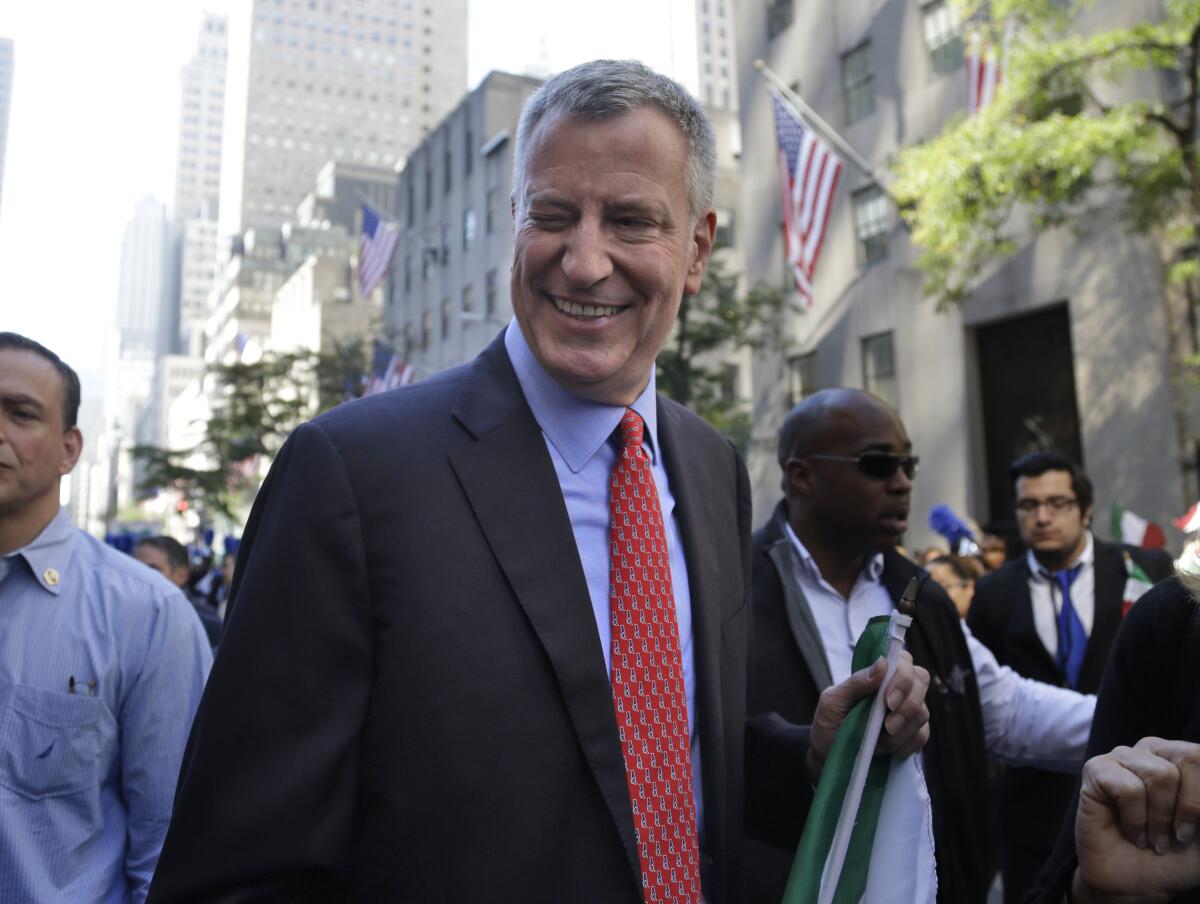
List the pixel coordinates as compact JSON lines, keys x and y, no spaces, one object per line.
{"x":1011,"y":572}
{"x":698,"y":429}
{"x":396,"y":406}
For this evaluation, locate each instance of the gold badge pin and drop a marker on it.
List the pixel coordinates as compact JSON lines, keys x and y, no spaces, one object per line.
{"x":50,"y":576}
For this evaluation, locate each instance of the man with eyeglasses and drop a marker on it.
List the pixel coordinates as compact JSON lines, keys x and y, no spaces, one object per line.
{"x":1051,"y":615}
{"x":824,"y":564}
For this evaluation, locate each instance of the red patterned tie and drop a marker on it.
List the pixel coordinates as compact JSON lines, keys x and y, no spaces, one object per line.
{"x":647,"y":679}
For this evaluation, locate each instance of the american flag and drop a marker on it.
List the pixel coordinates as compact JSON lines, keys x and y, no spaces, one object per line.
{"x":387,"y":371}
{"x":808,"y":176}
{"x":982,"y":62}
{"x":375,"y":248}
{"x":983,"y":76}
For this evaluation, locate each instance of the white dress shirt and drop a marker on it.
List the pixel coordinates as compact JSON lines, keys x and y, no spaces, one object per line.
{"x":1025,"y":722}
{"x":1046,"y":597}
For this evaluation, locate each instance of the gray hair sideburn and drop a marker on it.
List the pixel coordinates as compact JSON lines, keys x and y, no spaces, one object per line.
{"x":602,"y":89}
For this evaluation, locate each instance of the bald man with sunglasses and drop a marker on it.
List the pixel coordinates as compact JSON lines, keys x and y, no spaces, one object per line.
{"x":826,"y":563}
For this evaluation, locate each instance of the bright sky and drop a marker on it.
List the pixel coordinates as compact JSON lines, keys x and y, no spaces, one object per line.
{"x":95,"y":109}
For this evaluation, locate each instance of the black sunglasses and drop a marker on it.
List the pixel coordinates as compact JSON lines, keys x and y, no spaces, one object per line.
{"x":878,"y":465}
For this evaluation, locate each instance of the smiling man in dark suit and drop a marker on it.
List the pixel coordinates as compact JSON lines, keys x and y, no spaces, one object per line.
{"x":1052,"y":615}
{"x":488,"y":632}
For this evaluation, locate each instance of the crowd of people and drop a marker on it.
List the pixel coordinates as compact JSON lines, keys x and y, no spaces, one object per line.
{"x":507,"y":634}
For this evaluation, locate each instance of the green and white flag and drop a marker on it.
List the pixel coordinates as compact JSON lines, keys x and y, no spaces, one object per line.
{"x":894,"y":812}
{"x":1137,"y":582}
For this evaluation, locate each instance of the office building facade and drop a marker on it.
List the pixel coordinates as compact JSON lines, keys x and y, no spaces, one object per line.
{"x":1033,"y":355}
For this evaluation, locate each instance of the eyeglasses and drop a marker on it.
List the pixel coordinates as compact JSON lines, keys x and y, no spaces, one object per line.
{"x":878,"y":465}
{"x":1055,"y":504}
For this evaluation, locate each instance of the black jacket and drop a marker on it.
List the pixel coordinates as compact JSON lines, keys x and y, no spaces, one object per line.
{"x":1151,"y":689}
{"x":1032,"y":802}
{"x":788,"y":673}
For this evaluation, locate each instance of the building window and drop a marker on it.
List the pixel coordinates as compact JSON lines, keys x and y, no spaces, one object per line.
{"x":879,"y":368}
{"x":779,"y":16}
{"x":448,"y":176}
{"x":445,"y":249}
{"x":492,"y":213}
{"x":801,"y":378}
{"x":871,"y":224}
{"x":447,"y":313}
{"x":468,"y":299}
{"x":489,"y":293}
{"x":468,"y":228}
{"x":725,"y":236}
{"x":407,"y":273}
{"x":468,"y":151}
{"x":858,"y":82}
{"x":426,"y":329}
{"x":428,"y":187}
{"x":943,"y":37}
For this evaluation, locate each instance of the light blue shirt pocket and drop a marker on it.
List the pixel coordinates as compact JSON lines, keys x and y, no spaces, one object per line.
{"x":50,"y":743}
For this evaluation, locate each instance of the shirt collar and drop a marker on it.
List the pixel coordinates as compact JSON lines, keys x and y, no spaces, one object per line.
{"x":50,"y":552}
{"x":1085,"y":558}
{"x":576,"y":427}
{"x":872,"y":571}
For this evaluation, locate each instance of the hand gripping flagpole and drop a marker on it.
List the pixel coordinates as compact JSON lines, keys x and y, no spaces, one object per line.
{"x":901,"y":618}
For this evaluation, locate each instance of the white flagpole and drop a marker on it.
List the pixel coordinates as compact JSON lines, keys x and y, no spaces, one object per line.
{"x":808,"y":113}
{"x":897,"y":627}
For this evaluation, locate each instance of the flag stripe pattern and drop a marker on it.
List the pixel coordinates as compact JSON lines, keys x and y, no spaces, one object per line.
{"x":376,"y":246}
{"x":1190,"y":521}
{"x":1130,"y":527}
{"x":808,"y":176}
{"x":983,"y":76}
{"x":387,"y":371}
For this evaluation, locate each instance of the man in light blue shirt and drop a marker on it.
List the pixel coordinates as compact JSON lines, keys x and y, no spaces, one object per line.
{"x":102,"y":662}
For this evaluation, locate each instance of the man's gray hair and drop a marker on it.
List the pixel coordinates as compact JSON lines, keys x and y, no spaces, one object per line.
{"x":608,"y":88}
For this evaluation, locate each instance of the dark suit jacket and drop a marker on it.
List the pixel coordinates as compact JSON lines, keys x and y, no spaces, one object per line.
{"x":1150,"y":689}
{"x":1032,"y":802}
{"x":411,"y":702}
{"x":788,"y":672}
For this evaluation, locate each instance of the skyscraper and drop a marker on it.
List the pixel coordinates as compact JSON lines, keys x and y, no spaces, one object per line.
{"x":143,"y":308}
{"x":352,"y":81}
{"x":198,"y":177}
{"x":201,"y":118}
{"x":6,"y":78}
{"x":716,"y":49}
{"x":358,"y":81}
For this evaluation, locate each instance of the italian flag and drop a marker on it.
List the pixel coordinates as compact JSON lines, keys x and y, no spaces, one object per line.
{"x":1131,"y":528}
{"x":1136,"y":583}
{"x":1190,"y":522}
{"x":894,"y":809}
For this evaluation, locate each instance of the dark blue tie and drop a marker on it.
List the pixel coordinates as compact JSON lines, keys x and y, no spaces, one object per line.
{"x":1072,"y":640}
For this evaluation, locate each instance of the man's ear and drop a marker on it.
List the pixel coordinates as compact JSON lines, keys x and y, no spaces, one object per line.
{"x":799,"y":477}
{"x":72,"y":448}
{"x":1087,"y":517}
{"x":701,"y":248}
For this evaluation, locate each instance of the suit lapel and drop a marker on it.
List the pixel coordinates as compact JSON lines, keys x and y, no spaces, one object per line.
{"x":799,"y":614}
{"x":510,"y":483}
{"x":1108,"y":569}
{"x":691,"y":485}
{"x":1024,"y":628}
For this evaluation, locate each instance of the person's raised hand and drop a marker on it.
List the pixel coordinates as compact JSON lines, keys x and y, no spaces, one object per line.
{"x":1135,"y":827}
{"x":906,"y":726}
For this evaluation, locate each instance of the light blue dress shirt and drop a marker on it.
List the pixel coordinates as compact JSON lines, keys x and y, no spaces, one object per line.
{"x":577,"y":433}
{"x":102,"y":662}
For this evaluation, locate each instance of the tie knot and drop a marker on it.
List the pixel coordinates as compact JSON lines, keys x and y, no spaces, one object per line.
{"x":1067,"y":576}
{"x":631,"y":428}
